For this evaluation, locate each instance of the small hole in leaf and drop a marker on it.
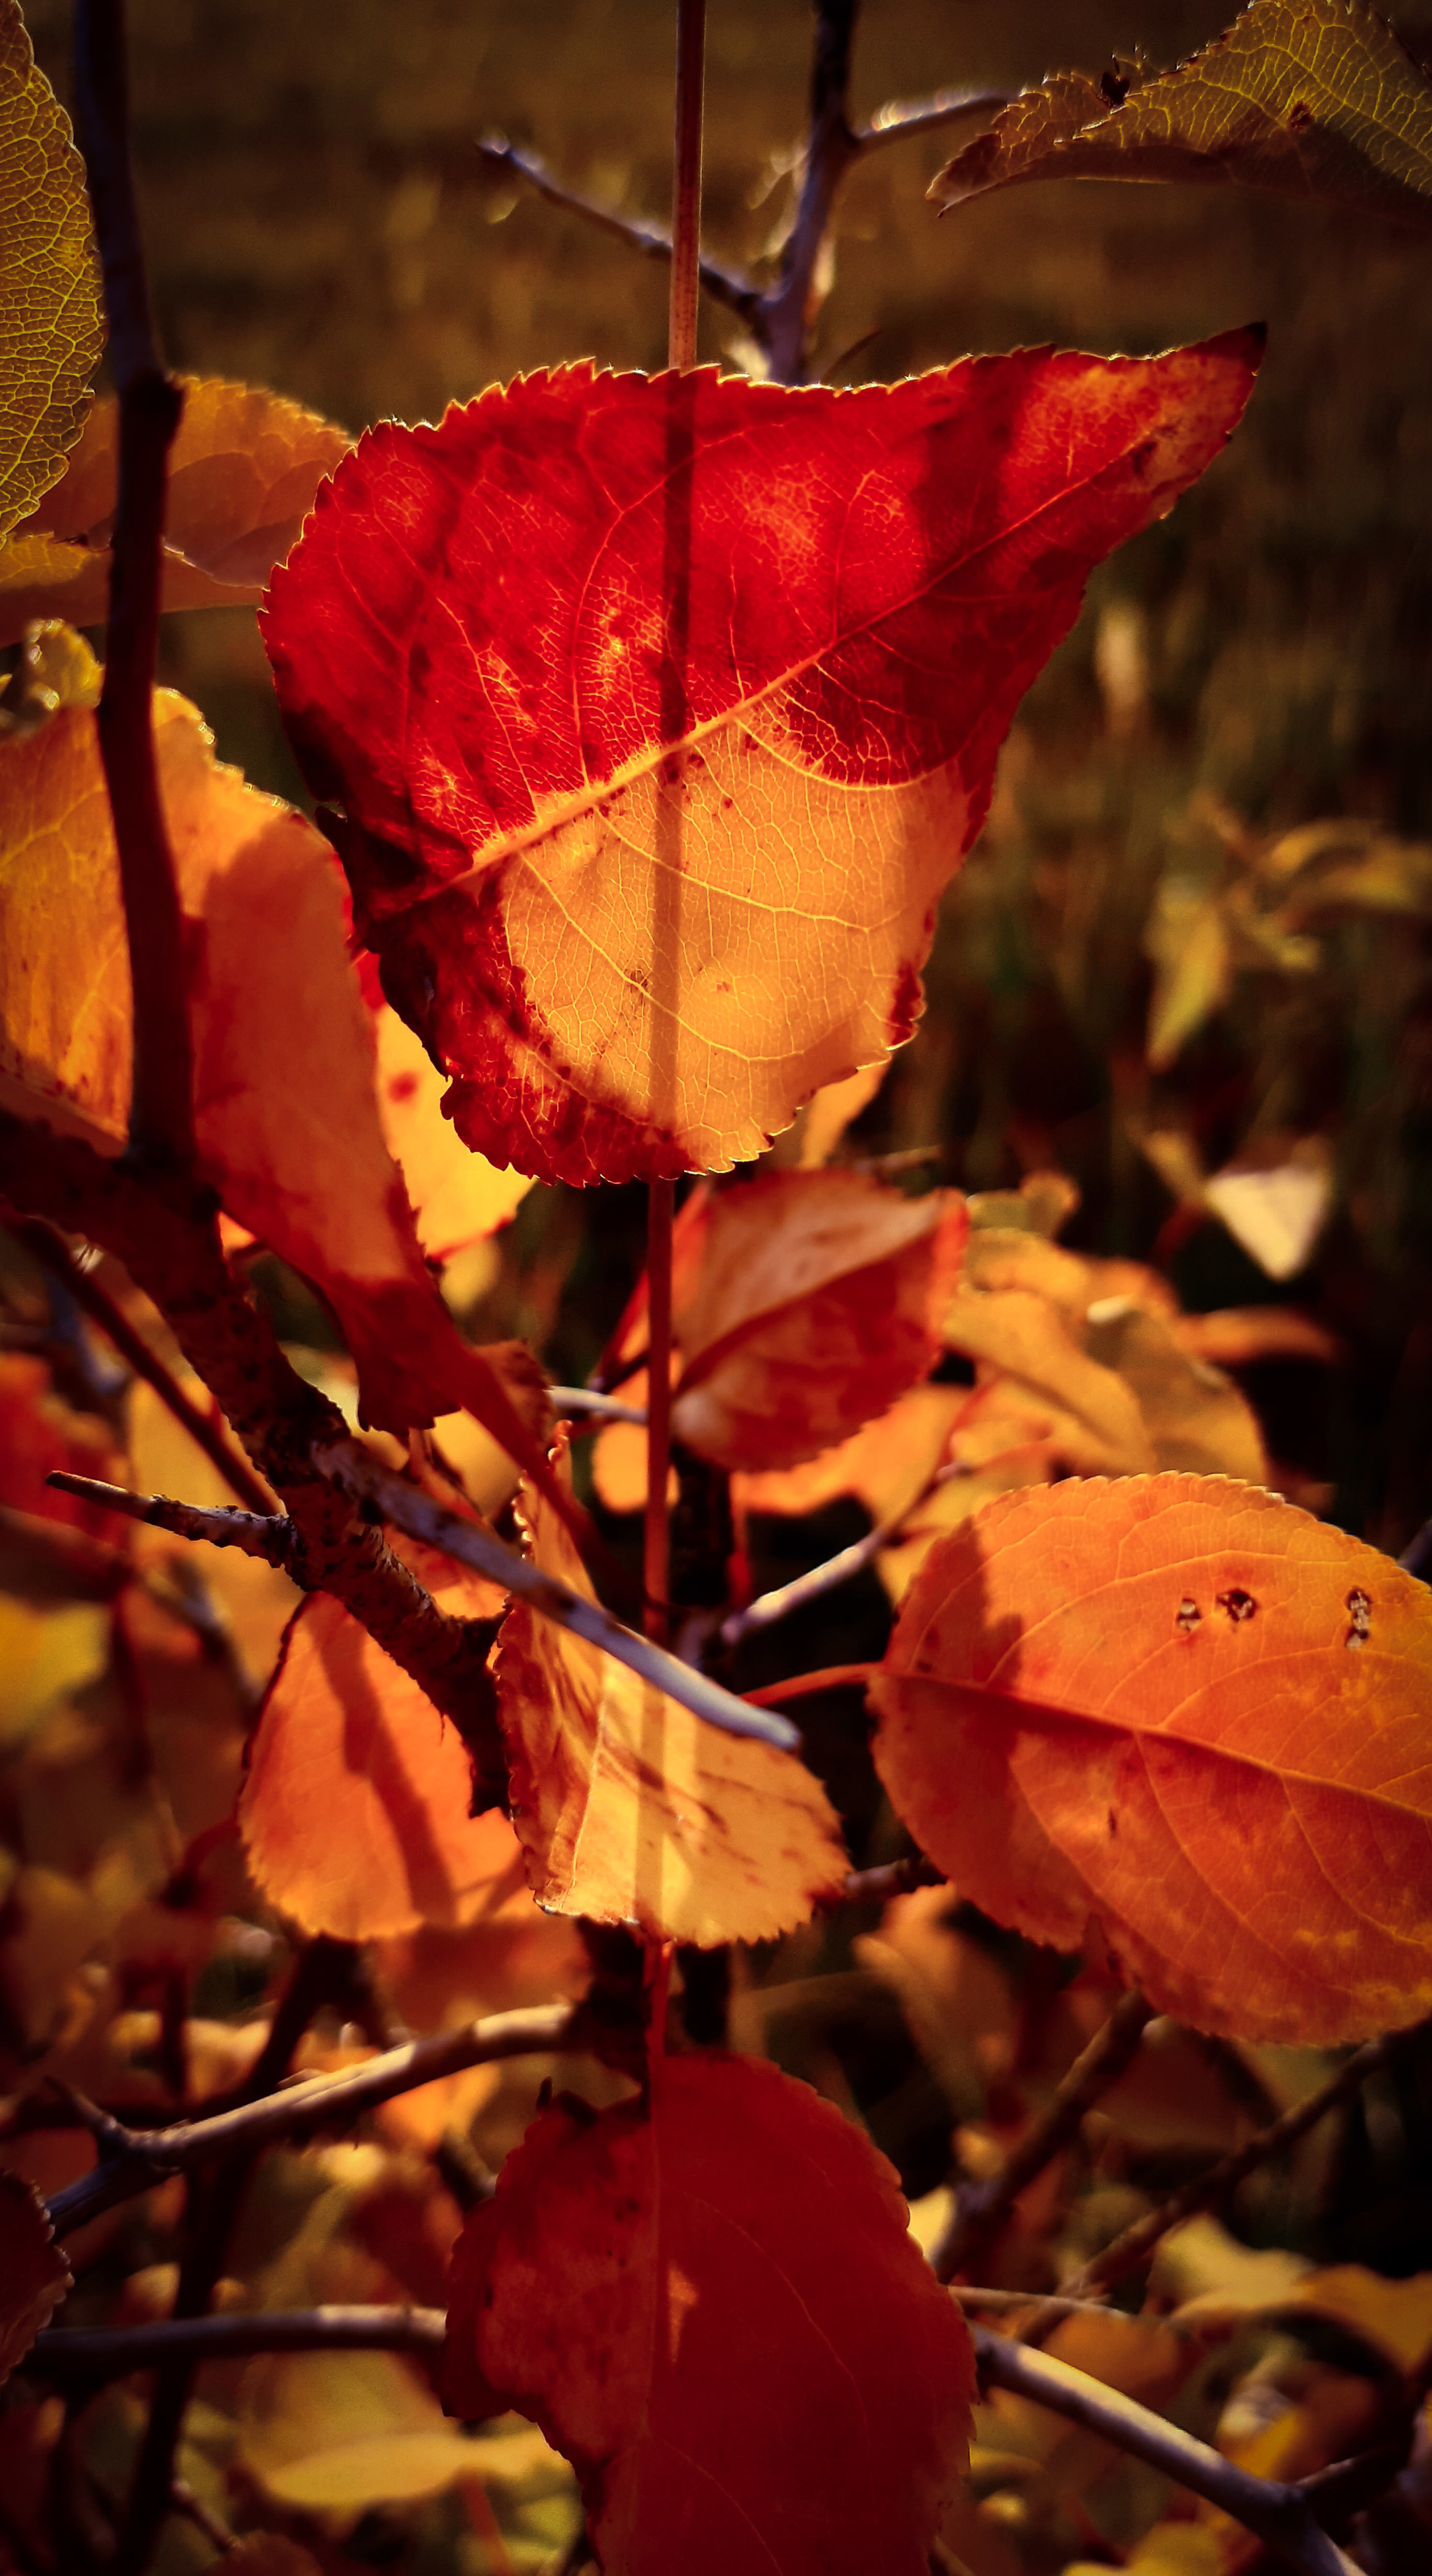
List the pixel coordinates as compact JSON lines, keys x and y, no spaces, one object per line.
{"x":1300,"y":116}
{"x":1188,"y":1616}
{"x":1359,"y":1608}
{"x":1239,"y":1606}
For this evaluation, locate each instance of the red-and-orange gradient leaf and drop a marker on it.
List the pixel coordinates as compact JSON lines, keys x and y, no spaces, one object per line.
{"x":660,"y":711}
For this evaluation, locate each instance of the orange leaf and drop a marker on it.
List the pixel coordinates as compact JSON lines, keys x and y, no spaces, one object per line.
{"x":884,"y":1465}
{"x":354,"y":1813}
{"x":33,"y":2269}
{"x":818,"y":1301}
{"x":457,"y":1196}
{"x":631,"y":1809}
{"x":243,"y":470}
{"x":660,"y":712}
{"x":285,"y":1108}
{"x":1186,"y":1709}
{"x":713,"y":2307}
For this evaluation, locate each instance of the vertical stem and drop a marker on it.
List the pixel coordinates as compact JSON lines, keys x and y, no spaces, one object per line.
{"x":661,"y":1202}
{"x":161,"y":1108}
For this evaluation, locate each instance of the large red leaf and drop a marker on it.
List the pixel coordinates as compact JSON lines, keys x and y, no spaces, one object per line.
{"x":661,"y":710}
{"x":1190,"y":1711}
{"x":713,"y":2306}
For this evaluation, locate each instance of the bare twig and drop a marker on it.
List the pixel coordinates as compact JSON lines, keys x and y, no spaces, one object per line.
{"x":801,"y":1685}
{"x":981,"y":2208}
{"x":891,"y":1878}
{"x":1282,"y":2516}
{"x":1009,"y":2303}
{"x":724,"y":285}
{"x":147,"y":2156}
{"x":686,"y":183}
{"x":267,"y":1534}
{"x":360,"y":1475}
{"x":900,"y":118}
{"x":573,"y":1400}
{"x":109,"y":2352}
{"x":1138,"y":2242}
{"x":50,"y":1247}
{"x":656,"y":1535}
{"x":161,"y":1110}
{"x":769,"y":1607}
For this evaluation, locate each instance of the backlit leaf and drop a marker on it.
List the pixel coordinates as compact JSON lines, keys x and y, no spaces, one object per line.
{"x":285,"y":1108}
{"x":457,"y":1196}
{"x":51,"y":330}
{"x":661,"y":711}
{"x":243,"y":470}
{"x":818,"y":1301}
{"x":884,"y":1465}
{"x":354,"y":1813}
{"x":630,"y":1809}
{"x":34,"y":2274}
{"x":1310,"y":98}
{"x":712,"y":2306}
{"x":1190,"y":1711}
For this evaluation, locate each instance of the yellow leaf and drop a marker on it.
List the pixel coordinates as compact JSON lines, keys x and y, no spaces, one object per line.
{"x":1275,"y":1203}
{"x":1187,"y":940}
{"x":341,"y":2431}
{"x":51,"y":332}
{"x":1195,"y":1417}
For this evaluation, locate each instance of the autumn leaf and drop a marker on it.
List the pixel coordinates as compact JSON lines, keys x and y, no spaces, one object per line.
{"x":33,"y":2269}
{"x":285,"y":1110}
{"x":1239,"y":1336}
{"x":884,"y":1465}
{"x":243,"y":470}
{"x":51,"y":325}
{"x":1194,"y":1416}
{"x":335,"y":2431}
{"x":629,"y":1809}
{"x":711,"y":2304}
{"x":661,"y":711}
{"x":817,"y":1302}
{"x":1188,"y":1710}
{"x":354,"y":1813}
{"x":1314,"y":99}
{"x":1020,"y":1335}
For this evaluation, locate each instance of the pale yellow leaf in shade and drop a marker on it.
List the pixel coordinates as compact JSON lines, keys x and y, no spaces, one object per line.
{"x":1001,"y":1256}
{"x":354,"y":1812}
{"x":1019,"y":1333}
{"x":330,"y":2431}
{"x":1186,"y":1710}
{"x":1276,"y":1204}
{"x":1237,"y":1336}
{"x":629,"y":1809}
{"x":817,"y":1302}
{"x":1312,"y":99}
{"x":34,"y":2273}
{"x":457,"y":1196}
{"x":51,"y":326}
{"x":1042,"y":1204}
{"x":1188,"y":941}
{"x":824,"y":1120}
{"x":1198,"y":2263}
{"x":243,"y":470}
{"x":1143,"y":2358}
{"x":1195,"y":1417}
{"x":1394,"y":2317}
{"x":619,"y":1457}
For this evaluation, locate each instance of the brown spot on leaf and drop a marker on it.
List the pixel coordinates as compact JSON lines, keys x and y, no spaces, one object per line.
{"x":1238,"y":1605}
{"x":1359,"y":1608}
{"x":1300,"y":116}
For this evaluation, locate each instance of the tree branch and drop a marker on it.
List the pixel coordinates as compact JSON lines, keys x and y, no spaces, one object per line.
{"x":891,"y":1878}
{"x":266,"y":1534}
{"x":900,"y":118}
{"x":724,"y":285}
{"x":168,"y":1240}
{"x":981,"y":2208}
{"x":139,"y":2158}
{"x":828,"y":1577}
{"x":1138,"y":2242}
{"x":1282,"y":2516}
{"x":572,"y":1401}
{"x":161,"y":1107}
{"x":110,"y":2352}
{"x":360,"y":1475}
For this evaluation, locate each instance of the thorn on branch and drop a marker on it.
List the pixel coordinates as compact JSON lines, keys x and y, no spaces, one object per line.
{"x":269,"y":1535}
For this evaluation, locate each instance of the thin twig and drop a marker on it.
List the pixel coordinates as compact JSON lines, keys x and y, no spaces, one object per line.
{"x":569,"y":1401}
{"x":110,"y":2352}
{"x":357,"y":1473}
{"x":656,"y":1534}
{"x":1009,"y":2303}
{"x":161,"y":1106}
{"x":981,"y":2208}
{"x":891,"y":1878}
{"x":724,"y":285}
{"x":49,"y":1246}
{"x":801,"y":1685}
{"x":1138,"y":2242}
{"x":1282,"y":2516}
{"x":686,"y":183}
{"x":769,"y":1607}
{"x":270,"y":1535}
{"x":900,"y":118}
{"x":148,"y":2156}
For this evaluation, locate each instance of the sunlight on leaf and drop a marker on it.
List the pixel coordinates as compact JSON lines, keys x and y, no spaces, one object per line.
{"x":1188,"y":1710}
{"x":51,"y":325}
{"x":662,"y":710}
{"x":713,"y":2307}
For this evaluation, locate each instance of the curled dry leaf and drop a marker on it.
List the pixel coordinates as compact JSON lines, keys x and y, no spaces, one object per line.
{"x":818,"y":1301}
{"x":51,"y":318}
{"x":1308,"y":98}
{"x":629,"y":1809}
{"x":663,"y":709}
{"x":354,"y":1813}
{"x":711,"y":2304}
{"x":243,"y":470}
{"x":1186,"y":1709}
{"x":284,"y":1103}
{"x":34,"y":2274}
